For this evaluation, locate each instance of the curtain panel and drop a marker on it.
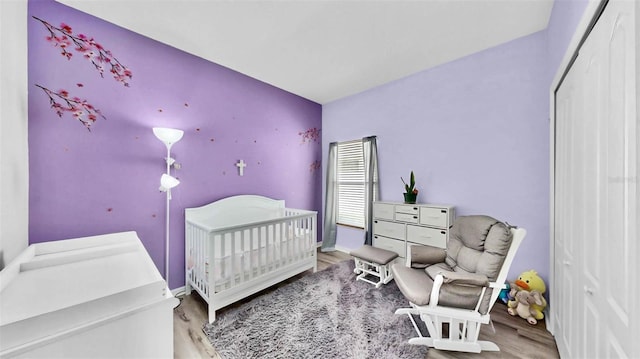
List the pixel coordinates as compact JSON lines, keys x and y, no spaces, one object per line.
{"x":371,"y":186}
{"x":330,"y":201}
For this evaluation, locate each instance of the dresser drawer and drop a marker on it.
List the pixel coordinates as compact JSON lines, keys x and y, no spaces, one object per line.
{"x":409,"y":218}
{"x":388,"y":229}
{"x":407,"y":209}
{"x":428,"y":236}
{"x":383,"y":211}
{"x":389,"y":244}
{"x":436,"y":217}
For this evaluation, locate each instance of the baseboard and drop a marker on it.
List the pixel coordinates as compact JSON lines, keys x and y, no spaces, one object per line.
{"x":343,"y":249}
{"x":178,"y":291}
{"x":338,"y":248}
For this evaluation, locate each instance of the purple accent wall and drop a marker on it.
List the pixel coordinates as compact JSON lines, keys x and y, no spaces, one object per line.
{"x":86,"y":183}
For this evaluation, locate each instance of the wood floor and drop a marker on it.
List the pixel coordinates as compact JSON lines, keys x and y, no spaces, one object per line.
{"x":514,"y":336}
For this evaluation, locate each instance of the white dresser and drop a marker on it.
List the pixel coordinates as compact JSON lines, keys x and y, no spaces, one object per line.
{"x":88,"y":297}
{"x":398,"y":225}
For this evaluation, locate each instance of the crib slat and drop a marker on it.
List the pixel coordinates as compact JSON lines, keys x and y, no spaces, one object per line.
{"x":261,"y":236}
{"x":271,"y":242}
{"x":283,"y":229}
{"x":204,"y":271}
{"x":242,"y":258}
{"x":202,"y":265}
{"x":254,"y":258}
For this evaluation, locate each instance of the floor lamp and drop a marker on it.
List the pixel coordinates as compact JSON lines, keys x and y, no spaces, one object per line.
{"x":168,"y":136}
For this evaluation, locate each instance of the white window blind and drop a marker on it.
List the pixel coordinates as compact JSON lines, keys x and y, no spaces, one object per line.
{"x":350,"y":184}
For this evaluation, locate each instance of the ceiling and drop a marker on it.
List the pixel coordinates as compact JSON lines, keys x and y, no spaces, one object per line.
{"x":325,"y":50}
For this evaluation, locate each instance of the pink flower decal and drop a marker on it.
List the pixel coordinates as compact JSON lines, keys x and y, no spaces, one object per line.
{"x":316,"y":165}
{"x":80,"y":109}
{"x":310,"y":135}
{"x":65,"y":28}
{"x":63,"y":38}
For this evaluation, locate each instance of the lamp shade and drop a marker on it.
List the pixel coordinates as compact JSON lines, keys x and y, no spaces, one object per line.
{"x":168,"y":182}
{"x":168,"y":135}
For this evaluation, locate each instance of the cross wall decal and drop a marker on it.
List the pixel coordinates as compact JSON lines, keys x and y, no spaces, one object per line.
{"x":241,"y":165}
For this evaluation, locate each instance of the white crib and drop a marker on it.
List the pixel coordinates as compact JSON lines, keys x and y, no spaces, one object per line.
{"x":240,"y":245}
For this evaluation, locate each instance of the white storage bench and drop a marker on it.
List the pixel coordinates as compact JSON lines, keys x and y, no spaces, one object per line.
{"x":373,"y":261}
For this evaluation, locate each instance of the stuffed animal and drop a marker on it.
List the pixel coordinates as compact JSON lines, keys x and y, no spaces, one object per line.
{"x":525,"y":301}
{"x":529,"y":281}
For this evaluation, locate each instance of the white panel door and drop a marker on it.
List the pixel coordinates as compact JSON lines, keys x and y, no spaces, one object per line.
{"x":567,"y":259}
{"x":596,"y":196}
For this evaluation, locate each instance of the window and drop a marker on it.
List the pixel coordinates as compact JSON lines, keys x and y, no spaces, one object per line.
{"x":350,"y":184}
{"x":352,"y":187}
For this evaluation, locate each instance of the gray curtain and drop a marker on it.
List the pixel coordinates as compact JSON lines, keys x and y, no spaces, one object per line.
{"x":371,"y":188}
{"x":330,"y":203}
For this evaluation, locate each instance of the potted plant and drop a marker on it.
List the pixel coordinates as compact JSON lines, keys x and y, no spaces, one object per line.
{"x":411,"y":192}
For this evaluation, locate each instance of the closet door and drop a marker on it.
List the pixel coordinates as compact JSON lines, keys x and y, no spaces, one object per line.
{"x":596,"y":196}
{"x":569,"y":105}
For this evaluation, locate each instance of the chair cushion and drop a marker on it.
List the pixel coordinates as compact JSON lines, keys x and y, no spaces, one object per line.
{"x":423,"y":255}
{"x":478,"y":244}
{"x":414,"y":284}
{"x":373,"y":254}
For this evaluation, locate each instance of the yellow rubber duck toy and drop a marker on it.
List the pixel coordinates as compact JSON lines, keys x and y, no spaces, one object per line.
{"x":529,"y":281}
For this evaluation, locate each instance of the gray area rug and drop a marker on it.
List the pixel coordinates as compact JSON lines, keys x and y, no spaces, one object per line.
{"x":324,"y":315}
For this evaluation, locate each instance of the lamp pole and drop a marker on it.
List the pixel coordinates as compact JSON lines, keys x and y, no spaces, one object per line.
{"x":166,"y":240}
{"x":168,"y":136}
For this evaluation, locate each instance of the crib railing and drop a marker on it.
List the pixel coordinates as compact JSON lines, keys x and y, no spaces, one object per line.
{"x":221,"y":259}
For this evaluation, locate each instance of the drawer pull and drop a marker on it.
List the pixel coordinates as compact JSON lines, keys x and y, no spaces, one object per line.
{"x":375,"y":221}
{"x":415,"y":208}
{"x":416,"y":217}
{"x":443,"y":211}
{"x":443,"y":232}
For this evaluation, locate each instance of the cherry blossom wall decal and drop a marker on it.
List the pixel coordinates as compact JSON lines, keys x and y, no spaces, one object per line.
{"x":80,"y":109}
{"x":310,"y":135}
{"x":63,"y":38}
{"x":316,"y":165}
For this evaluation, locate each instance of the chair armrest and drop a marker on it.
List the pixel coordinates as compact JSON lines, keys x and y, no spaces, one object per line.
{"x":478,"y":280}
{"x":449,"y":277}
{"x":500,"y":286}
{"x":421,"y":256}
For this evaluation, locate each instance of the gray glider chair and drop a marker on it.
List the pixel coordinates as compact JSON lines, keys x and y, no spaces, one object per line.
{"x":458,"y":286}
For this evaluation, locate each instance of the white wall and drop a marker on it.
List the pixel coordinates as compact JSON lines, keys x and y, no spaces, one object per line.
{"x":14,"y":159}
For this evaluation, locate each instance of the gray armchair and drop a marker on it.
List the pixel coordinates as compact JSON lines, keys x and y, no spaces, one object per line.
{"x":458,"y":285}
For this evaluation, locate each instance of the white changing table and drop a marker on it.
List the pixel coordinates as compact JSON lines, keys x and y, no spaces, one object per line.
{"x":98,"y":296}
